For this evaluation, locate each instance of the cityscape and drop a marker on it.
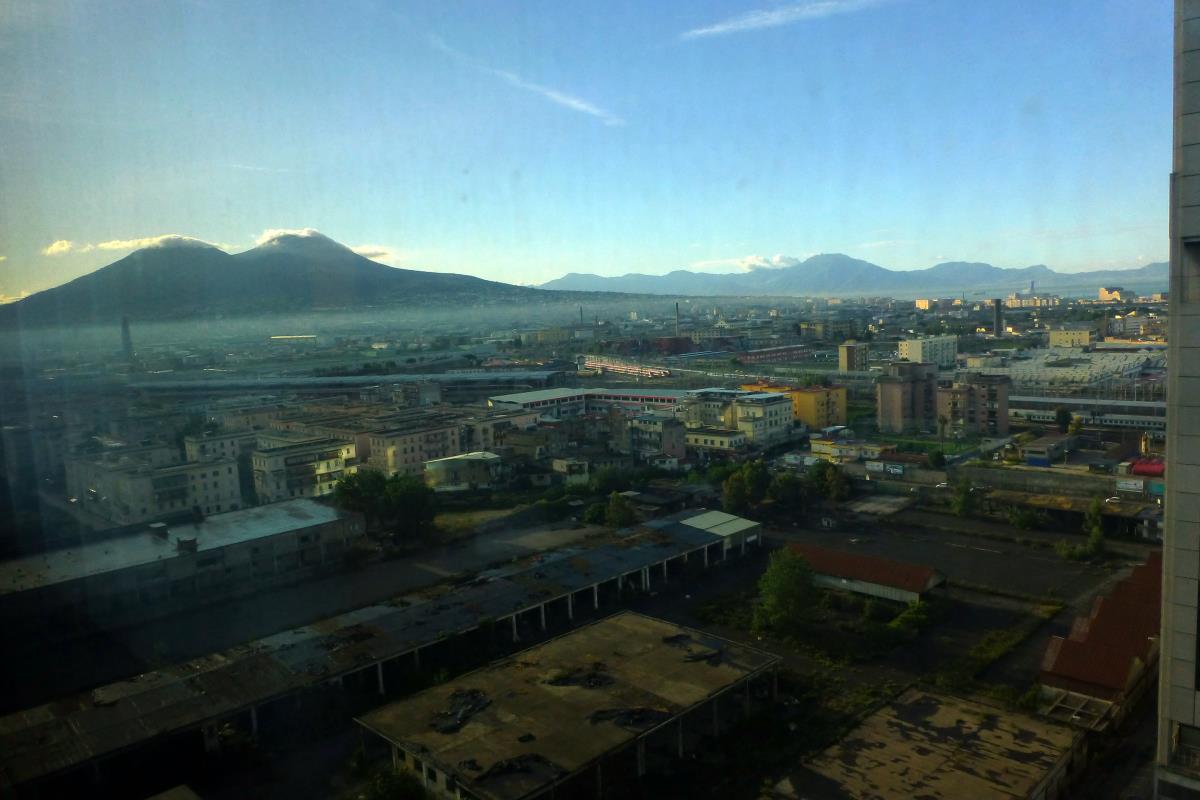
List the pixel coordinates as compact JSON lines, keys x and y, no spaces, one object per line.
{"x":508,"y":510}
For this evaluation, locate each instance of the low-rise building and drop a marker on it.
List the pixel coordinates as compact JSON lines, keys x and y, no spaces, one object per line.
{"x":477,"y":470}
{"x":125,"y":491}
{"x":166,"y":568}
{"x":1073,"y":337}
{"x":404,"y":447}
{"x":219,"y":444}
{"x":656,"y":435}
{"x":870,"y":575}
{"x":715,"y":440}
{"x":816,"y":407}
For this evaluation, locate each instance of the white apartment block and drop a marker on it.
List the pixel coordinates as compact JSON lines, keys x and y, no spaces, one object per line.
{"x":128,"y":493}
{"x":222,"y":444}
{"x":404,"y":450}
{"x":939,"y":350}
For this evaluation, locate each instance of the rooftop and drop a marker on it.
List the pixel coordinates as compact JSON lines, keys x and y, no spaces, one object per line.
{"x":564,"y":704}
{"x":870,"y":569}
{"x":478,"y":455}
{"x":544,"y":395}
{"x":936,"y":746}
{"x":217,"y":531}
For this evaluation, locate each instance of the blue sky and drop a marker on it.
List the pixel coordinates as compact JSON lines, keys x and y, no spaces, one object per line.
{"x":521,"y":141}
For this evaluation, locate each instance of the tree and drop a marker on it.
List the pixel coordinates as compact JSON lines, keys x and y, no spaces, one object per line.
{"x":757,"y":478}
{"x":595,"y":513}
{"x":735,"y":496}
{"x":607,"y":480}
{"x":942,"y":421}
{"x":619,"y":513}
{"x":362,"y":492}
{"x":787,"y":492}
{"x":409,"y":507}
{"x":1093,"y":526}
{"x":786,"y":592}
{"x":828,"y":481}
{"x":937,"y":459}
{"x":1075,"y":426}
{"x":1062,"y":418}
{"x":963,"y":503}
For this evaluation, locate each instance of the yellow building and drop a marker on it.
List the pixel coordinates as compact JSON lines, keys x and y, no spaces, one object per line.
{"x":1073,"y":337}
{"x":816,"y":406}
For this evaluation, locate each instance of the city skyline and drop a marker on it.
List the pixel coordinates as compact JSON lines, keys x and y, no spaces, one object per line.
{"x":714,"y":137}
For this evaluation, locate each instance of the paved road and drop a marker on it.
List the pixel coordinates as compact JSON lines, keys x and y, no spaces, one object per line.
{"x":47,"y":670}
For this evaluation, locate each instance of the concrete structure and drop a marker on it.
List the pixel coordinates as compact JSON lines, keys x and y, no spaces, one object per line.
{"x":764,"y":418}
{"x":478,"y":470}
{"x":1115,"y":294}
{"x":869,"y":575}
{"x":219,"y":444}
{"x":563,"y":403}
{"x":135,"y":486}
{"x":939,"y":350}
{"x":653,"y":435}
{"x":366,"y":648}
{"x":404,"y":447}
{"x":168,"y":567}
{"x":305,"y":469}
{"x":906,"y":398}
{"x":1073,"y":337}
{"x":716,"y":440}
{"x":817,"y":407}
{"x":854,"y":356}
{"x":975,"y":405}
{"x":939,"y":747}
{"x":1178,"y":754}
{"x":622,"y":684}
{"x":997,"y":317}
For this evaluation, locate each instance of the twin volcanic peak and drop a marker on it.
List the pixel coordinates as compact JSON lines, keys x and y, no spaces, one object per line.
{"x":289,"y":271}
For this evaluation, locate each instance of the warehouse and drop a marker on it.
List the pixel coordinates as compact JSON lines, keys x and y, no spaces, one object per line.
{"x":936,"y":746}
{"x":557,"y":718}
{"x":869,"y":575}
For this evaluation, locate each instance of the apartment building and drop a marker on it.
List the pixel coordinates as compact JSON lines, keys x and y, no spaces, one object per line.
{"x":125,"y":491}
{"x":938,"y":350}
{"x":975,"y":405}
{"x":403,"y":448}
{"x":303,"y":469}
{"x":219,"y":444}
{"x":854,"y":356}
{"x":652,"y":435}
{"x":906,"y":397}
{"x":1073,"y":337}
{"x":815,"y":406}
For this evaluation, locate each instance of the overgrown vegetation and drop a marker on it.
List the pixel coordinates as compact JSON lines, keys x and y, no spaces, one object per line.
{"x":1093,"y":526}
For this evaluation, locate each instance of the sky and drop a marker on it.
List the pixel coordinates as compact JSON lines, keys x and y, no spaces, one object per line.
{"x":521,"y":141}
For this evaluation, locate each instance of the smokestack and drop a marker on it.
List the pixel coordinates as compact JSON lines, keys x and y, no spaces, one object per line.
{"x":997,"y":317}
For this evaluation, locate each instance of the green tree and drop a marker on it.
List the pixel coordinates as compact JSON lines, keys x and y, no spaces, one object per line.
{"x":362,"y":492}
{"x":963,"y":502}
{"x":1062,"y":418}
{"x":787,"y":491}
{"x":594,"y":514}
{"x":735,"y":495}
{"x":1093,"y":526}
{"x":758,"y":479}
{"x":786,"y":592}
{"x":409,"y":506}
{"x":607,"y":480}
{"x":828,"y":481}
{"x":937,"y":459}
{"x":619,"y":513}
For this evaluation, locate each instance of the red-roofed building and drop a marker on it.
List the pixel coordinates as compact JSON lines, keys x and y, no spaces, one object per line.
{"x":1110,"y":653}
{"x":870,"y":575}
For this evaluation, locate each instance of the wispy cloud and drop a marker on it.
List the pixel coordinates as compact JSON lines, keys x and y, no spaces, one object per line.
{"x":270,"y":234}
{"x":555,"y":96}
{"x":12,"y":298}
{"x":382,"y":253}
{"x":58,"y":248}
{"x":791,"y":14}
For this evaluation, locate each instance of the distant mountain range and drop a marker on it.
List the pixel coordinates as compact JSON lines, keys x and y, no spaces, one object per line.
{"x":837,"y":274}
{"x":292,"y":272}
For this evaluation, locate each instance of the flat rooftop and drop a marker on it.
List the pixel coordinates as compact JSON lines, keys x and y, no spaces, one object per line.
{"x":936,"y":746}
{"x":215,"y":532}
{"x":564,"y":704}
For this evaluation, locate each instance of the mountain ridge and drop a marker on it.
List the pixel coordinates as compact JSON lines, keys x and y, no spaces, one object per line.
{"x":837,"y":273}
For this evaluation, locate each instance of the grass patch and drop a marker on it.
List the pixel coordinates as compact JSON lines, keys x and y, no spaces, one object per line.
{"x":960,"y":674}
{"x":453,"y":525}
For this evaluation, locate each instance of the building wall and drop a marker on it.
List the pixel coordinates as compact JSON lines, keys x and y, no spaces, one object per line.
{"x":906,"y":398}
{"x":854,"y":357}
{"x":939,"y":350}
{"x":125,"y":494}
{"x":977,"y":405}
{"x":310,"y":470}
{"x":222,"y":445}
{"x":1178,"y":719}
{"x":1072,"y":338}
{"x":405,"y":453}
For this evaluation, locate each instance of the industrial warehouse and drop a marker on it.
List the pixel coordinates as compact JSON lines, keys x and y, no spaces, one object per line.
{"x":362,"y":650}
{"x":552,"y":720}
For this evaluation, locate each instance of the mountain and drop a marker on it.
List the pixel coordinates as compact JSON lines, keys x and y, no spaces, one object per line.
{"x":290,"y":272}
{"x":838,"y":274}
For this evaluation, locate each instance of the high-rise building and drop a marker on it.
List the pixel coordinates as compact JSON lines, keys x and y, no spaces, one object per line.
{"x":1178,"y":754}
{"x":975,"y":404}
{"x":854,"y":356}
{"x":997,"y":317}
{"x":906,"y":397}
